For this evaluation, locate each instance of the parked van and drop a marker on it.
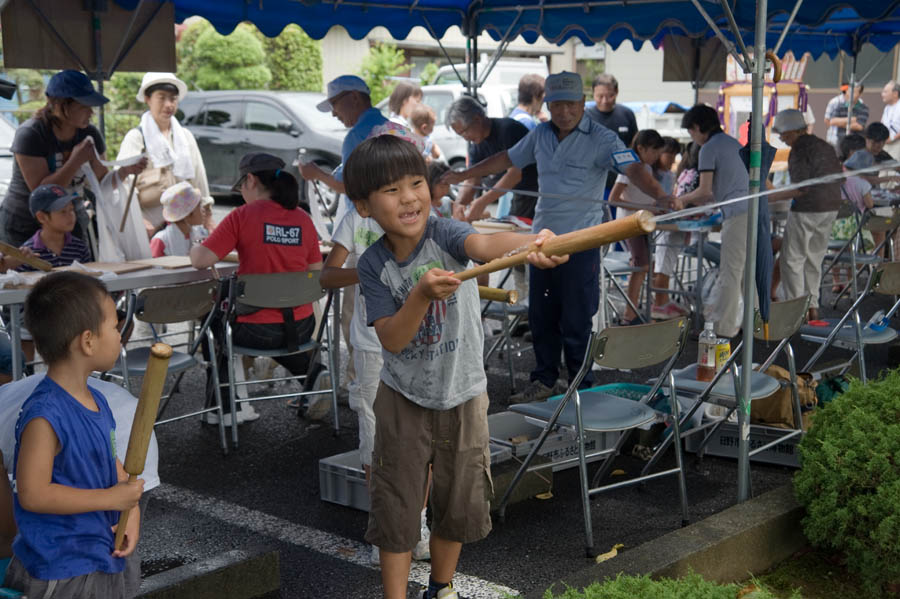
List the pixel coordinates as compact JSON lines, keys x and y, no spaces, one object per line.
{"x":506,"y":72}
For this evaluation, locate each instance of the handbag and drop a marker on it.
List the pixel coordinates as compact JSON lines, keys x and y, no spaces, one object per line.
{"x":152,"y":182}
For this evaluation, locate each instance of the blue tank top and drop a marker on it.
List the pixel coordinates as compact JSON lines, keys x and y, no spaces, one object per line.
{"x":55,"y":546}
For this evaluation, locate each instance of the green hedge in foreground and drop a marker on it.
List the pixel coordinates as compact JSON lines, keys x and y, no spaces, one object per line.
{"x":692,"y":586}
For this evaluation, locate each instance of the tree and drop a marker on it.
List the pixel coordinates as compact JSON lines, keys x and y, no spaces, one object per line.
{"x":381,"y":63}
{"x":186,"y":50}
{"x":294,"y":59}
{"x":237,"y":61}
{"x":428,"y":73}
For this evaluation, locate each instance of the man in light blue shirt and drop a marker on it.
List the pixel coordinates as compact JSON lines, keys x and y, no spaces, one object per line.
{"x":349,"y":101}
{"x":573,"y":156}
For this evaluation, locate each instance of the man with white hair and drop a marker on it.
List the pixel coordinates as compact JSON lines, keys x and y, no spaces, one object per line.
{"x":486,"y":137}
{"x":573,"y":155}
{"x":813,"y":209}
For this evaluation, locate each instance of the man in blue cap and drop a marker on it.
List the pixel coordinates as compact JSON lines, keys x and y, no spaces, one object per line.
{"x":573,"y":156}
{"x":349,"y":101}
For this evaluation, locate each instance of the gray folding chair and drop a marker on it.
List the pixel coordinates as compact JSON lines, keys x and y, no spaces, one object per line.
{"x":169,"y":305}
{"x":785,"y":319}
{"x":281,"y":290}
{"x":619,"y":348}
{"x":848,"y":331}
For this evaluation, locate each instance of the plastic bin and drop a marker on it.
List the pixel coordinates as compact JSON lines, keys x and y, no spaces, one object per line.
{"x":725,"y":444}
{"x":519,"y":435}
{"x":343,"y":481}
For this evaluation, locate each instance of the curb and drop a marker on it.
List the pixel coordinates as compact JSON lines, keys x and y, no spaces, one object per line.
{"x":747,"y":538}
{"x":231,"y":575}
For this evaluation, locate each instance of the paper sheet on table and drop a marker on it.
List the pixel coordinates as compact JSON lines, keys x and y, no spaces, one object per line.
{"x":103,"y":275}
{"x":12,"y":279}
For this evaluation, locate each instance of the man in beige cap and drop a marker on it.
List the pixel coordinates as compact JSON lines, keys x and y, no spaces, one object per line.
{"x":813,"y":209}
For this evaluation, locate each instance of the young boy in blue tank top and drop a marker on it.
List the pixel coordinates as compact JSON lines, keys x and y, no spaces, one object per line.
{"x":69,"y":484}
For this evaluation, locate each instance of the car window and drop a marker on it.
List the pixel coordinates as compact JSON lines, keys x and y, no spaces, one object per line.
{"x":264,"y":117}
{"x":439,"y":102}
{"x":187,"y":111}
{"x":219,"y":114}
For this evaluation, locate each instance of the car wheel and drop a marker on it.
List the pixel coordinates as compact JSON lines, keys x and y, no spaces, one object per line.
{"x":324,"y":198}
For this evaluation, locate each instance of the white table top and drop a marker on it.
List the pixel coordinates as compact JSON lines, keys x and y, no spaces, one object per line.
{"x":148,"y":277}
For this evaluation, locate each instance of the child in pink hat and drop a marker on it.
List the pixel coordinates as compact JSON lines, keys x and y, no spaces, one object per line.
{"x":182,"y":208}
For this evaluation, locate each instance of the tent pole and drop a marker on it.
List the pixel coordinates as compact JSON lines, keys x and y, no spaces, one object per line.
{"x":851,"y":100}
{"x":501,"y":49}
{"x":756,"y":134}
{"x":726,"y":43}
{"x":443,"y":49}
{"x":697,"y":47}
{"x":98,"y":57}
{"x":787,"y":27}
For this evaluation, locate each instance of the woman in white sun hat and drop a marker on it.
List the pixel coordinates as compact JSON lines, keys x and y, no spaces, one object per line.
{"x":174,"y":155}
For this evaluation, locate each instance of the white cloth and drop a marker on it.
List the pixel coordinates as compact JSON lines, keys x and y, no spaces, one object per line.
{"x":177,"y":155}
{"x":633,"y":195}
{"x":122,"y":404}
{"x":356,"y":234}
{"x":361,"y":397}
{"x":802,"y":251}
{"x":667,"y":248}
{"x":174,"y":241}
{"x":112,"y":197}
{"x":133,"y":144}
{"x":725,"y":308}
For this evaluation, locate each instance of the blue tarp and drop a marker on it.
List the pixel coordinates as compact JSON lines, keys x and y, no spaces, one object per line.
{"x":556,"y":20}
{"x":845,"y":30}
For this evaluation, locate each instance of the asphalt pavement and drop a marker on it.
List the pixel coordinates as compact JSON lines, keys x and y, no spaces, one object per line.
{"x":265,"y":495}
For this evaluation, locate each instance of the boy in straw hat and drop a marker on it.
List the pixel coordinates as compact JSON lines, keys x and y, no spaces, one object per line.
{"x":182,"y":208}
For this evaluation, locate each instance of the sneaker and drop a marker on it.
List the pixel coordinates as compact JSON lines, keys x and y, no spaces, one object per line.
{"x":246,"y":413}
{"x":536,"y":391}
{"x":445,"y":593}
{"x":213,"y":418}
{"x":422,"y":550}
{"x":667,"y":311}
{"x":375,"y":556}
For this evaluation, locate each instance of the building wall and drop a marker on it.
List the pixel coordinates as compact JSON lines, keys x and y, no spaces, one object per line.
{"x":640,"y":76}
{"x":341,"y":54}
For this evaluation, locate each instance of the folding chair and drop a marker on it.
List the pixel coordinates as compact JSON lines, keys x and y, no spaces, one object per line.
{"x":509,"y":316}
{"x":284,"y":291}
{"x":851,"y":252}
{"x":885,"y":280}
{"x":616,"y":347}
{"x":785,"y":319}
{"x":178,"y":303}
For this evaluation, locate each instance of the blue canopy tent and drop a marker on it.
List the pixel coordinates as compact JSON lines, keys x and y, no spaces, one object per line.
{"x":557,"y":21}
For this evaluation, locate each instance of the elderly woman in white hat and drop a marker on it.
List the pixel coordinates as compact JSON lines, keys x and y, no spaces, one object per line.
{"x":172,"y":149}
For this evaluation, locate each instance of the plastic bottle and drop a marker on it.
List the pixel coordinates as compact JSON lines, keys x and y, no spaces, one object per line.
{"x":706,"y":353}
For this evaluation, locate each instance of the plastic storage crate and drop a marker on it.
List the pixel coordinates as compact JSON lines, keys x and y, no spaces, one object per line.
{"x":343,"y":481}
{"x":519,"y":434}
{"x":725,"y":444}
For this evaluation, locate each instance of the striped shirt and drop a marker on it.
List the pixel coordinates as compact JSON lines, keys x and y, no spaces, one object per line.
{"x":73,"y":249}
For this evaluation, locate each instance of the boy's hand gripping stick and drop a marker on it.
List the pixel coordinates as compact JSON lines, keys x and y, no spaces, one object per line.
{"x":144,"y":419}
{"x":639,"y":223}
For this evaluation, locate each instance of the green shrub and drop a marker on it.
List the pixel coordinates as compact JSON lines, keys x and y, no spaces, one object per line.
{"x":692,"y":586}
{"x":237,"y":61}
{"x":295,"y":60}
{"x":850,"y":479}
{"x":381,"y":63}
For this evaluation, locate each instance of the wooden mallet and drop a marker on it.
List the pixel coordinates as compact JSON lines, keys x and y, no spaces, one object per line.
{"x":639,"y":223}
{"x":507,"y":296}
{"x":144,"y":419}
